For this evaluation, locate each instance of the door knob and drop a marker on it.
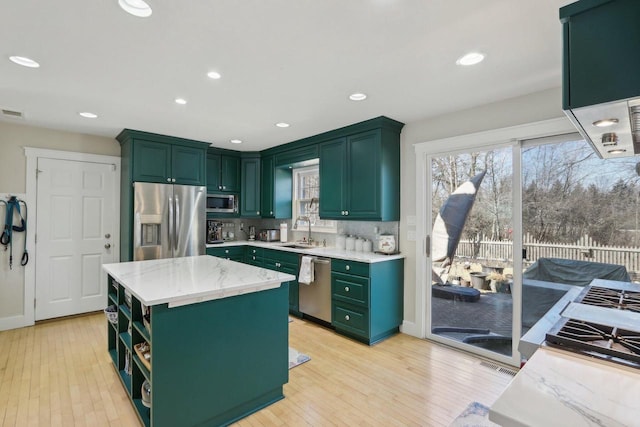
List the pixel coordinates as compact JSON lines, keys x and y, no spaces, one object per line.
{"x":107,"y":246}
{"x":107,"y":236}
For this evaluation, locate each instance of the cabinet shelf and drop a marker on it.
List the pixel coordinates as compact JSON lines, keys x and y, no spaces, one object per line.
{"x":145,"y":372}
{"x":143,"y":412}
{"x":113,"y":298}
{"x":125,"y":310}
{"x":125,"y":337}
{"x":114,"y":356}
{"x":126,"y":380}
{"x":143,"y":331}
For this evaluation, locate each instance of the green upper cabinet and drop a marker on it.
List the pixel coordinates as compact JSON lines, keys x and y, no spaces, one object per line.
{"x":276,"y":187}
{"x":167,"y":162}
{"x":360,"y":176}
{"x":267,"y":186}
{"x":187,"y":165}
{"x":333,"y":172}
{"x":223,"y":173}
{"x":250,"y":192}
{"x":151,"y":161}
{"x":600,"y":62}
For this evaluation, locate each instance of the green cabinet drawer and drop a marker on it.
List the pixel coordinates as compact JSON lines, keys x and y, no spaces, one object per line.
{"x":282,"y":257}
{"x":351,"y":319}
{"x":350,"y":267}
{"x":254,"y":256}
{"x":234,"y":253}
{"x":349,"y":288}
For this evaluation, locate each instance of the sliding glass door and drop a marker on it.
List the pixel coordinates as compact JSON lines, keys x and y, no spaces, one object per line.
{"x":471,"y":251}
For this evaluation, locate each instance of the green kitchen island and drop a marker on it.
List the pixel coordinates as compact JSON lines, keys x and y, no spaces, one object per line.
{"x":218,"y":334}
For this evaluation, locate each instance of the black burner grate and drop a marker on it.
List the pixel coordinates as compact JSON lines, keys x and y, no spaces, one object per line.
{"x":612,"y":298}
{"x":597,"y":339}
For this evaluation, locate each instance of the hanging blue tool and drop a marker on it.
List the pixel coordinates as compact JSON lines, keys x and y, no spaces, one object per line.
{"x":7,"y":234}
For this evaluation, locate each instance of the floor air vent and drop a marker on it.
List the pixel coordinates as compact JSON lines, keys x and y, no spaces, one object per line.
{"x":12,"y":114}
{"x":499,"y":368}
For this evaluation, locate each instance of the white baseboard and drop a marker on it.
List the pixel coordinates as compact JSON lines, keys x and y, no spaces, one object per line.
{"x":14,"y":322}
{"x":410,"y":328}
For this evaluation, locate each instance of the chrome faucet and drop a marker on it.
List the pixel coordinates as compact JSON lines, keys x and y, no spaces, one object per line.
{"x":306,"y":218}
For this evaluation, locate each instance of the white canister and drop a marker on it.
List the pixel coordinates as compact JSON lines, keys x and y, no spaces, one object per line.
{"x":350,"y":243}
{"x":283,"y":232}
{"x":367,"y":246}
{"x":387,"y":243}
{"x":341,"y":241}
{"x":358,"y":244}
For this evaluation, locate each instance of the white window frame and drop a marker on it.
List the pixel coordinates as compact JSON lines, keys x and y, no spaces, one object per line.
{"x":328,"y":226}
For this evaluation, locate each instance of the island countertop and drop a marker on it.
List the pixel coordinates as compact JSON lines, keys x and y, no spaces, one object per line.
{"x":188,"y":280}
{"x":560,"y":388}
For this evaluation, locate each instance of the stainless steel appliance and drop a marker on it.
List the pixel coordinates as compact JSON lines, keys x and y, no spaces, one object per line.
{"x":271,"y":235}
{"x":603,"y":322}
{"x":169,"y":220}
{"x":214,"y":231}
{"x":315,"y":298}
{"x":222,"y":203}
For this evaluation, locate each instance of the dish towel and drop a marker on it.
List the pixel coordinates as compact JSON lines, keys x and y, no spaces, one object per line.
{"x":306,"y":270}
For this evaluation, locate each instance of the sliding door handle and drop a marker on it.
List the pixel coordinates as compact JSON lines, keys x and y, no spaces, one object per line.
{"x":427,"y":246}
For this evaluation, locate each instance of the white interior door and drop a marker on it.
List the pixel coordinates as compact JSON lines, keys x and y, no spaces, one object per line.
{"x":76,"y":223}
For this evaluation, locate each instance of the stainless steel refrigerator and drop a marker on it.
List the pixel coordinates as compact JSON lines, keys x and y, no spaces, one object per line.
{"x":169,"y":220}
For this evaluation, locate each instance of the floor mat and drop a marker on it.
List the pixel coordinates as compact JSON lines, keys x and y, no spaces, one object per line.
{"x":475,"y":415}
{"x":296,"y":358}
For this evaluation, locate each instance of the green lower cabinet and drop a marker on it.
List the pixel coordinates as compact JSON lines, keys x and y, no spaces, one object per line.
{"x":254,"y":256}
{"x":286,"y":262}
{"x":367,"y":299}
{"x":234,"y":253}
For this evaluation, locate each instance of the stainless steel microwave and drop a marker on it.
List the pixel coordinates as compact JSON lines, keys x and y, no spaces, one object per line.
{"x":222,"y":203}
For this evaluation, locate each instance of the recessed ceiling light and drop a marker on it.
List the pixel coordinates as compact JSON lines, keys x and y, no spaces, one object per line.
{"x":88,"y":115}
{"x":181,"y":101}
{"x":357,"y":96}
{"x":213,"y":75}
{"x":138,"y":8}
{"x":282,"y":125}
{"x":24,"y":61}
{"x":235,"y":141}
{"x":605,"y":122}
{"x":471,"y":58}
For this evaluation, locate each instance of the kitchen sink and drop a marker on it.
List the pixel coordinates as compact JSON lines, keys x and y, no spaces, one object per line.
{"x":298,"y":246}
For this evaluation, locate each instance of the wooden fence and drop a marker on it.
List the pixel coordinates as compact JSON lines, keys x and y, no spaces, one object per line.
{"x":585,"y":249}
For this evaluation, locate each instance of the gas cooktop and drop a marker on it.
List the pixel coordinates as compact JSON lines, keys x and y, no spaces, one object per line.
{"x":603,"y":322}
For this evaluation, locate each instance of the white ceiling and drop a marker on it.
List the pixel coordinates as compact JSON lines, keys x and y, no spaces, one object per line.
{"x":295,"y":61}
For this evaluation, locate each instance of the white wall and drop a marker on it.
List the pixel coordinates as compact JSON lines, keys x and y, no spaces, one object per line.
{"x":525,"y":109}
{"x":13,"y":139}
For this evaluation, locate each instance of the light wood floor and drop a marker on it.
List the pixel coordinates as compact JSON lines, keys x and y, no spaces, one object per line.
{"x":58,"y":373}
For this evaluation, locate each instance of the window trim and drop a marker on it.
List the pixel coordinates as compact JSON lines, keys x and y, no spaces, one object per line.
{"x":330,"y":229}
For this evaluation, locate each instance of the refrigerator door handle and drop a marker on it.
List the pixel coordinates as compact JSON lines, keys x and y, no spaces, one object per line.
{"x":176,"y":227}
{"x":171,"y":221}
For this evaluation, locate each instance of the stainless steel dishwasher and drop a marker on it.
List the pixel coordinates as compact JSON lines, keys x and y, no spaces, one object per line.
{"x":315,"y":298}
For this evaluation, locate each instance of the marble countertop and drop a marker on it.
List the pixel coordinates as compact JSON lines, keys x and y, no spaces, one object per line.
{"x":560,"y":388}
{"x":188,"y":280}
{"x":367,"y":257}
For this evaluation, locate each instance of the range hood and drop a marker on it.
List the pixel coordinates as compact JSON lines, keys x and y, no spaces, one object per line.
{"x":612,"y":129}
{"x":600,"y":78}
